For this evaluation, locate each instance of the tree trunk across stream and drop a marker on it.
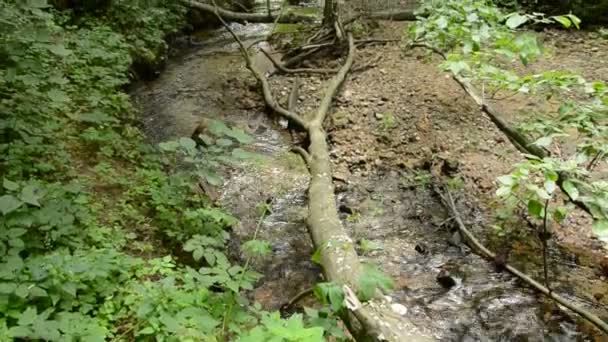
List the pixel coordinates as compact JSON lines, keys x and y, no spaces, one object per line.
{"x":388,"y":123}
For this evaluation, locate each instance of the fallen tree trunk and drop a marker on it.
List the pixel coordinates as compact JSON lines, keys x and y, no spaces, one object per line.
{"x":249,"y":17}
{"x":380,"y":321}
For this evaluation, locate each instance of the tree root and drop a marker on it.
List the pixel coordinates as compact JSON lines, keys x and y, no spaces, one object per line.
{"x":521,"y":142}
{"x":475,"y":244}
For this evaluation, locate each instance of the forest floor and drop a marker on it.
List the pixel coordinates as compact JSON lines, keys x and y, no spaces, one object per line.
{"x":390,"y":125}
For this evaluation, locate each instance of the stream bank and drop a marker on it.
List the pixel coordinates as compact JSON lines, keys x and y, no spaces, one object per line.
{"x":389,"y":124}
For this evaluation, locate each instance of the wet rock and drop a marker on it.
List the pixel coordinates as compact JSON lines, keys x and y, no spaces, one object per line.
{"x":445,"y":279}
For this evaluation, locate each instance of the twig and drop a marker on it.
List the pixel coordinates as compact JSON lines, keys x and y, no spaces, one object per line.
{"x":272,"y":103}
{"x":375,"y":41}
{"x":297,"y":298}
{"x":302,"y":152}
{"x":476,"y":245}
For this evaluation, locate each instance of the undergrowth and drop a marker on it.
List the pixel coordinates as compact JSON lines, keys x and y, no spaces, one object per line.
{"x":103,"y":237}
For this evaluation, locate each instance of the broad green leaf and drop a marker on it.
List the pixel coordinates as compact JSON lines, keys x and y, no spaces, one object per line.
{"x":442,"y":22}
{"x":240,"y":136}
{"x":570,"y":189}
{"x":563,"y":20}
{"x":28,"y":316}
{"x":10,"y":185}
{"x":187,"y":143}
{"x":169,"y":146}
{"x":59,"y":50}
{"x":30,"y":194}
{"x":7,"y":288}
{"x":550,"y":186}
{"x":217,"y":128}
{"x":516,"y":20}
{"x":145,"y":331}
{"x":58,"y":96}
{"x":213,"y":179}
{"x":506,"y":180}
{"x":9,"y":203}
{"x":575,"y":20}
{"x":503,"y":191}
{"x":600,"y":228}
{"x":543,"y":142}
{"x":535,"y":208}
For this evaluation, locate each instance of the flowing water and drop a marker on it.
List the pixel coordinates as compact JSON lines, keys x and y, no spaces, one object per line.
{"x":209,"y":81}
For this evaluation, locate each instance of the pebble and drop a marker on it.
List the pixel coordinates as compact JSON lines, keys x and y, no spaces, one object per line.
{"x":379,"y":116}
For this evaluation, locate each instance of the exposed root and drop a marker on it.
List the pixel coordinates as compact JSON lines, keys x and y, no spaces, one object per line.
{"x":448,"y":201}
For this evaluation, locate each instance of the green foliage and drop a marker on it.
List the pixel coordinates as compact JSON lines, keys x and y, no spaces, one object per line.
{"x":87,"y":208}
{"x":481,"y":44}
{"x":373,"y":279}
{"x":273,"y":328}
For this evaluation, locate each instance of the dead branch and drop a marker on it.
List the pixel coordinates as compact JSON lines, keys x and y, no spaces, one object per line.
{"x":285,"y":70}
{"x":448,"y":201}
{"x":520,"y":141}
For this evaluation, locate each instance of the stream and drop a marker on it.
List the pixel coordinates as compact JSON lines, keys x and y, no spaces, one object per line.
{"x":209,"y":80}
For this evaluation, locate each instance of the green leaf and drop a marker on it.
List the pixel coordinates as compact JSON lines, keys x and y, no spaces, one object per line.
{"x":10,"y":185}
{"x":213,"y":179}
{"x":59,"y":50}
{"x":550,"y":186}
{"x":575,"y":20}
{"x":217,"y":128}
{"x":600,"y":228}
{"x":240,"y":136}
{"x":515,"y":20}
{"x":535,"y":208}
{"x":570,"y":189}
{"x":30,"y":194}
{"x":316,"y":256}
{"x":503,"y":191}
{"x":197,"y":254}
{"x":7,"y":288}
{"x":169,"y":146}
{"x":506,"y":180}
{"x":441,"y":22}
{"x":187,"y":143}
{"x":9,"y":203}
{"x":28,"y":316}
{"x":58,"y":96}
{"x":145,"y":331}
{"x":543,"y":142}
{"x":563,"y":20}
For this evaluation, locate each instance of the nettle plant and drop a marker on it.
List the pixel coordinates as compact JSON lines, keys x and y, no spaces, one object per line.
{"x":481,"y":45}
